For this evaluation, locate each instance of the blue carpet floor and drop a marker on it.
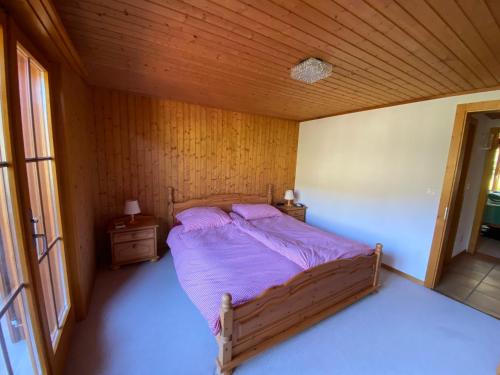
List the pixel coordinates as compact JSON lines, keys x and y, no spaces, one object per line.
{"x":142,"y":322}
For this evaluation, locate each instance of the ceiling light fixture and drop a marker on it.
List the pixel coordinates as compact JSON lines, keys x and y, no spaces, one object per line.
{"x":311,"y":70}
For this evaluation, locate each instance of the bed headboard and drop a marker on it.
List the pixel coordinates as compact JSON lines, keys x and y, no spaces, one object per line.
{"x":223,"y":201}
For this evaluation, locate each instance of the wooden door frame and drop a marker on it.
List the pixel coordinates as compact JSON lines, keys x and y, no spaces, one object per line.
{"x":483,"y":196}
{"x":30,"y":274}
{"x":449,"y":193}
{"x":55,"y":357}
{"x":469,"y":137}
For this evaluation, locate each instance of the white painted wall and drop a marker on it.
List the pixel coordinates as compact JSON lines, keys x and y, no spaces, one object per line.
{"x":376,"y":176}
{"x":473,"y":182}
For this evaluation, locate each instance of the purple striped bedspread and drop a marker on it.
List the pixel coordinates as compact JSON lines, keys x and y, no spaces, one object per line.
{"x":245,"y":258}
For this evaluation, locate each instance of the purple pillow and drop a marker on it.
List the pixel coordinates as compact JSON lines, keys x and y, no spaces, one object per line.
{"x":256,"y":211}
{"x":202,"y":217}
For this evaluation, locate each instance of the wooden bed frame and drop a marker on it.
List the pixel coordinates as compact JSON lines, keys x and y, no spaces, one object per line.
{"x":284,"y":310}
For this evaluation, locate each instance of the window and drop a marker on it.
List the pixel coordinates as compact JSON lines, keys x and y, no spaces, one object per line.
{"x":42,"y":186}
{"x":18,"y":354}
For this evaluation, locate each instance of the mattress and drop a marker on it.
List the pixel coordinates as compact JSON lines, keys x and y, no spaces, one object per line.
{"x":211,"y":262}
{"x":245,"y":258}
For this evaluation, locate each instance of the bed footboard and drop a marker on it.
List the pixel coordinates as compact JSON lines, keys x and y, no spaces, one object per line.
{"x":284,"y":310}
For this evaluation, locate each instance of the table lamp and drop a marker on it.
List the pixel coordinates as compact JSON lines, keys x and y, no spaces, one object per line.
{"x":289,"y":197}
{"x":131,"y":208}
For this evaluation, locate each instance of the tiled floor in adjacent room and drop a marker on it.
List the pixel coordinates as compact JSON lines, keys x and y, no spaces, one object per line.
{"x":489,"y":246}
{"x":475,"y":281}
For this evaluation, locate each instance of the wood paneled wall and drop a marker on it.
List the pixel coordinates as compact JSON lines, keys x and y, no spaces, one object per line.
{"x":146,"y":144}
{"x":76,"y":167}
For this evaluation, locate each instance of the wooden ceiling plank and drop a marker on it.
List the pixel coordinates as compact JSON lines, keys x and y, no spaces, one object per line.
{"x":142,"y":84}
{"x":410,"y":25}
{"x":195,"y":78}
{"x":494,"y":8}
{"x":269,"y":12}
{"x":342,"y":65}
{"x":110,"y":57}
{"x":362,"y":37}
{"x":280,"y":39}
{"x":178,"y":44}
{"x":427,"y":17}
{"x":482,"y":18}
{"x":352,"y":12}
{"x":124,"y":45}
{"x":453,"y":15}
{"x":236,"y":54}
{"x":127,"y":26}
{"x":191,"y":11}
{"x":335,"y":56}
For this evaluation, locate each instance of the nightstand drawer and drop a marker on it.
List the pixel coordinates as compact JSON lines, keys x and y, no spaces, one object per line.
{"x":133,"y":235}
{"x":128,"y":251}
{"x":298,"y":215}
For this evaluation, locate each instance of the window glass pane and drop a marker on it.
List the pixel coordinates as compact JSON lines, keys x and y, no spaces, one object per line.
{"x":36,"y":205}
{"x":47,"y":296}
{"x":17,"y":333}
{"x":57,"y":267}
{"x":8,"y":263}
{"x":40,"y":108}
{"x":24,"y":96}
{"x":47,"y":184}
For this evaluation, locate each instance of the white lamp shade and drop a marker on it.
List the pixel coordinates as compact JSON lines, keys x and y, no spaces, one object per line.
{"x":289,"y":196}
{"x":131,"y":208}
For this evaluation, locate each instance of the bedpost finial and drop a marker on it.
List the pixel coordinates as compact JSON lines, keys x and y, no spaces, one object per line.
{"x":226,"y":302}
{"x":269,"y":193}
{"x":379,"y":247}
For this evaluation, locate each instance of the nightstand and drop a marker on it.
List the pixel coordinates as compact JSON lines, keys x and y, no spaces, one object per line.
{"x":135,"y":242}
{"x":297,"y":212}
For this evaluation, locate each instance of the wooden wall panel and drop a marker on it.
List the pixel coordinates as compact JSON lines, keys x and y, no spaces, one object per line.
{"x":146,"y":144}
{"x":76,"y":165}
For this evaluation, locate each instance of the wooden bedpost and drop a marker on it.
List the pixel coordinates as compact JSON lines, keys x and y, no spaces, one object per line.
{"x":225,"y":336}
{"x":378,"y":254}
{"x":170,"y":207}
{"x":269,"y":193}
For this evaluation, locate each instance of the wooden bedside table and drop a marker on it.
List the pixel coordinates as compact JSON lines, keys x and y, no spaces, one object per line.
{"x":297,"y":212}
{"x":136,"y":242}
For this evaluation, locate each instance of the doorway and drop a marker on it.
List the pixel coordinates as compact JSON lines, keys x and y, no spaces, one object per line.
{"x":485,"y":236}
{"x":458,"y":266}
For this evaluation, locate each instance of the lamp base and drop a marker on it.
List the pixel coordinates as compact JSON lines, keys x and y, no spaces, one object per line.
{"x":289,"y":203}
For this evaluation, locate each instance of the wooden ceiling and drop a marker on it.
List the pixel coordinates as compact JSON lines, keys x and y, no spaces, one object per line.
{"x":237,"y":54}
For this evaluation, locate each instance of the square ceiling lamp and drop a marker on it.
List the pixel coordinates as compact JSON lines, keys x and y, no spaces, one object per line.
{"x":311,"y":70}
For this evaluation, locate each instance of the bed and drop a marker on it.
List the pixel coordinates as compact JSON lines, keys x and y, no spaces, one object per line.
{"x":252,"y":296}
